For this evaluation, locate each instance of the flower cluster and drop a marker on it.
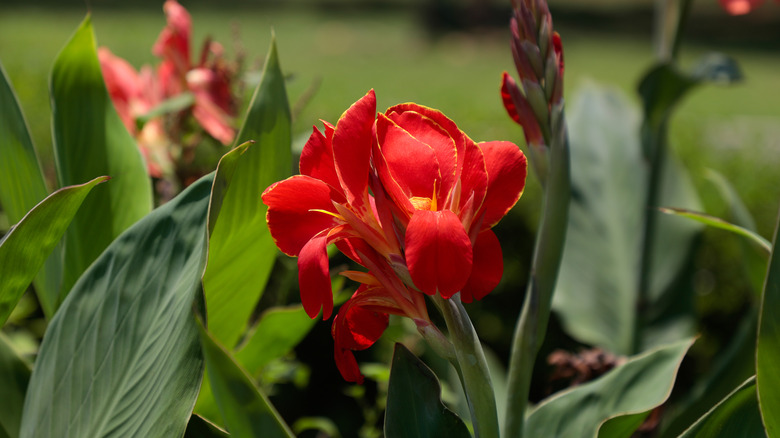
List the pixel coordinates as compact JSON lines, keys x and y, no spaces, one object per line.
{"x":408,"y":196}
{"x":201,"y":90}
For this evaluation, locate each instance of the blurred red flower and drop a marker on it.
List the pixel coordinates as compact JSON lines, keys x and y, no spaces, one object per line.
{"x":135,"y":94}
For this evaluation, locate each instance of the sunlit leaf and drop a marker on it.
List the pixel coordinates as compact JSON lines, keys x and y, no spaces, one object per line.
{"x":90,"y":140}
{"x":414,"y":407}
{"x":14,"y":376}
{"x":241,"y":250}
{"x":22,"y":185}
{"x":25,"y":248}
{"x":122,"y":356}
{"x":768,"y":345}
{"x":631,"y":389}
{"x":735,"y":416}
{"x":244,"y":408}
{"x":716,"y":222}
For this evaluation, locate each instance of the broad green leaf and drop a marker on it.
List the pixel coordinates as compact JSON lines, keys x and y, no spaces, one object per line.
{"x":122,"y":356}
{"x":635,"y":387}
{"x":22,"y":185}
{"x":244,"y":408}
{"x":414,"y":407}
{"x":25,"y":248}
{"x":199,"y":427}
{"x":277,"y":332}
{"x":717,"y":222}
{"x":14,"y":376}
{"x":768,"y":345}
{"x":241,"y":250}
{"x":90,"y":140}
{"x":736,"y":416}
{"x":596,"y":294}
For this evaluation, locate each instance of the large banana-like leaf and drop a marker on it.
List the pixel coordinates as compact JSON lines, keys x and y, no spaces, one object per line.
{"x":122,"y":356}
{"x":22,"y":185}
{"x":90,"y":140}
{"x":597,"y":294}
{"x":241,"y":250}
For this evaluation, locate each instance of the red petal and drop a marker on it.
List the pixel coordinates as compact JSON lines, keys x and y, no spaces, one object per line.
{"x":317,"y":159}
{"x":520,"y":111}
{"x":173,"y":44}
{"x":474,"y":177}
{"x":438,"y":252}
{"x":410,"y":162}
{"x":352,"y":142}
{"x":290,"y":219}
{"x":356,"y":328}
{"x":487,"y":270}
{"x":460,"y":138}
{"x":507,"y":168}
{"x":314,"y":279}
{"x":429,"y":132}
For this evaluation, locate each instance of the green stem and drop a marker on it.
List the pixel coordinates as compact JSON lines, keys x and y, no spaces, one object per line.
{"x":471,"y":366}
{"x":532,"y":324}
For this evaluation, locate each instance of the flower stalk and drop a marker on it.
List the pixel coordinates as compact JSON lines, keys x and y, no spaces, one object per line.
{"x":537,"y":105}
{"x":471,"y":366}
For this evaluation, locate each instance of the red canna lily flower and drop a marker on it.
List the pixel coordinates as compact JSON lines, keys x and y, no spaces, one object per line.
{"x":447,"y":192}
{"x":405,"y":194}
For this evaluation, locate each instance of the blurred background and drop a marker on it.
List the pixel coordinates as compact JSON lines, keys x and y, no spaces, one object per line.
{"x":449,"y":55}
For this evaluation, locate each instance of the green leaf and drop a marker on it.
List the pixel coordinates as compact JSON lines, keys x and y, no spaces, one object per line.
{"x":768,"y":345}
{"x":277,"y":332}
{"x":22,"y":185}
{"x":414,"y":407}
{"x":241,"y":250}
{"x":25,"y":248}
{"x":596,"y":294}
{"x":736,"y":415}
{"x":90,"y":140}
{"x":244,"y":408}
{"x":636,"y":387}
{"x":14,"y":376}
{"x":122,"y":356}
{"x":664,"y":85}
{"x":717,"y":222}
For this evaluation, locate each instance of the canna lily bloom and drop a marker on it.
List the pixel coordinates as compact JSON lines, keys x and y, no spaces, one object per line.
{"x":405,"y":194}
{"x":445,"y":193}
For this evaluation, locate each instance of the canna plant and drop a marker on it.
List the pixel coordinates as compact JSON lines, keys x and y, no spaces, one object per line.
{"x":156,"y":324}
